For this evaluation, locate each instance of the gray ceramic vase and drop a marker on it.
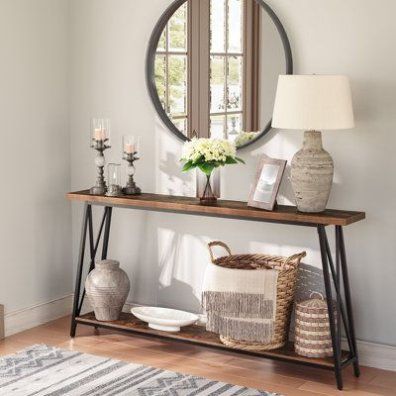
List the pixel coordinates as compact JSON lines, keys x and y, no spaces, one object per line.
{"x":312,"y":171}
{"x":107,"y":288}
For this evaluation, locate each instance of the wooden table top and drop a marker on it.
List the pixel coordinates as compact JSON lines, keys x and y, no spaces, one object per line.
{"x":225,"y":209}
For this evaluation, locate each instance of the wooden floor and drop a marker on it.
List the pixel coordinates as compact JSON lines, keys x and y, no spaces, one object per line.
{"x":284,"y":378}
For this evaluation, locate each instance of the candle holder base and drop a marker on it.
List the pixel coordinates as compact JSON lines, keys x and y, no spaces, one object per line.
{"x":114,"y":191}
{"x":97,"y":190}
{"x":132,"y":190}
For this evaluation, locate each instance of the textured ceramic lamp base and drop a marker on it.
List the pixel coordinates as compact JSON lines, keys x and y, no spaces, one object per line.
{"x":312,"y":172}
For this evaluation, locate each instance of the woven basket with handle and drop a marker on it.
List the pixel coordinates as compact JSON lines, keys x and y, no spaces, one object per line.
{"x":286,"y":286}
{"x":313,"y":337}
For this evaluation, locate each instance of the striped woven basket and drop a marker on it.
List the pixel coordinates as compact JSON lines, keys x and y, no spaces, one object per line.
{"x":287,"y":279}
{"x":313,"y":337}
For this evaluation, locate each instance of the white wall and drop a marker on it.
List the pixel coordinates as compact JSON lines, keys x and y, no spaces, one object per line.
{"x":165,"y":254}
{"x":35,"y":223}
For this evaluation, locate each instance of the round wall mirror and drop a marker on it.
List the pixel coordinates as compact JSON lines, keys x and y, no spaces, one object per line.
{"x":213,"y":65}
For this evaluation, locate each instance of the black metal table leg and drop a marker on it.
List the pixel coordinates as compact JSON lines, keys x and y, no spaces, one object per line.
{"x":338,"y":283}
{"x":341,"y":312}
{"x":332,"y":319}
{"x":79,"y":270}
{"x":107,"y":233}
{"x":348,"y":299}
{"x":94,"y":250}
{"x":87,"y":228}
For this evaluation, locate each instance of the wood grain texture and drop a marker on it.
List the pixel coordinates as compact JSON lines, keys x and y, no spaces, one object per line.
{"x":199,"y":335}
{"x":223,"y":208}
{"x":220,"y":365}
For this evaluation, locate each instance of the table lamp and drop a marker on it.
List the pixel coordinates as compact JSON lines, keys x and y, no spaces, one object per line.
{"x":313,"y":103}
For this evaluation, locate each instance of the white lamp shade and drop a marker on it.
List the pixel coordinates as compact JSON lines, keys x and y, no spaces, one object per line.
{"x":313,"y":102}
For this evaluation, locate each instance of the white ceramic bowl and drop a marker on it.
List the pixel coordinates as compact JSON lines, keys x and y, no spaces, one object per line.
{"x":164,"y":319}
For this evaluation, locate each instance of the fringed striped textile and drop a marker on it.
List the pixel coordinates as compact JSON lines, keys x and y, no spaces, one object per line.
{"x":240,"y":304}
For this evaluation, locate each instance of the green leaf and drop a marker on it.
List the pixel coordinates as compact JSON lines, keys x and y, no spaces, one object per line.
{"x":188,"y":166}
{"x":201,"y":159}
{"x":206,"y":168}
{"x":231,"y":161}
{"x":240,"y":160}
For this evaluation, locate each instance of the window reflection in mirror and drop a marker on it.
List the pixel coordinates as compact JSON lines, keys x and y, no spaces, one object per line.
{"x":209,"y":69}
{"x":171,"y":68}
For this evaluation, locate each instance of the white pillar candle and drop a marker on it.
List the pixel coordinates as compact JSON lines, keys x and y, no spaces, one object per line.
{"x":129,"y":148}
{"x":99,"y":134}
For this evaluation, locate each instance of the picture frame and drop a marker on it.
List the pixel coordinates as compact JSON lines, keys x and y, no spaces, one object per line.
{"x":266,"y":186}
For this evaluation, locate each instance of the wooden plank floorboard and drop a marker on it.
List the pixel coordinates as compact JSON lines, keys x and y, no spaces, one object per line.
{"x":227,"y":366}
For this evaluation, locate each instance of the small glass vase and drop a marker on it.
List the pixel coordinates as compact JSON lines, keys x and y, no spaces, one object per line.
{"x":208,"y":197}
{"x":114,"y":180}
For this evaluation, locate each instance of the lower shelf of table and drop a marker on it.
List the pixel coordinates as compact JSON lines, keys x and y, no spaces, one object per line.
{"x":198,"y":335}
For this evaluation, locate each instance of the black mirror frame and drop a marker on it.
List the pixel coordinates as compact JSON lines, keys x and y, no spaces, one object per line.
{"x":150,"y":64}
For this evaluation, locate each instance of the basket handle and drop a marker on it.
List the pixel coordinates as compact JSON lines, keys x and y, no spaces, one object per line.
{"x":217,"y":243}
{"x":315,"y":293}
{"x":295,"y":258}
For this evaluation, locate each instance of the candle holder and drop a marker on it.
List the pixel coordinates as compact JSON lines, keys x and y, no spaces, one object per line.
{"x":114,"y":188}
{"x":100,"y":141}
{"x":130,"y":150}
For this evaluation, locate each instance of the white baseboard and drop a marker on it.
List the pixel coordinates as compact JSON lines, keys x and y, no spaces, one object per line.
{"x":371,"y":354}
{"x":377,"y":355}
{"x":27,"y":318}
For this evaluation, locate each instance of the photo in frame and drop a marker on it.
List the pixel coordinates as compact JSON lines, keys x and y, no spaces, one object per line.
{"x":266,"y":185}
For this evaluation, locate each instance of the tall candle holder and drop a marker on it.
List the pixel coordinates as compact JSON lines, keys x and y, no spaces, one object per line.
{"x":100,"y":141}
{"x":130,"y":154}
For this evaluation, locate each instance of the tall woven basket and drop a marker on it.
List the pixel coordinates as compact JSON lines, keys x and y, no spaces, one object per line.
{"x":286,"y":286}
{"x":313,"y":337}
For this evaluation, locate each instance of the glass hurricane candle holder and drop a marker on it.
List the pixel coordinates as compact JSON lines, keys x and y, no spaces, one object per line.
{"x":114,"y":180}
{"x":130,"y":148}
{"x":100,"y":141}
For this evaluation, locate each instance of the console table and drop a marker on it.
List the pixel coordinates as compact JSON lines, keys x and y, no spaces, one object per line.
{"x":335,"y":270}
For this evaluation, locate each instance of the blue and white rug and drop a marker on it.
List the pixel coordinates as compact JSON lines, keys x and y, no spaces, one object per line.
{"x":43,"y":370}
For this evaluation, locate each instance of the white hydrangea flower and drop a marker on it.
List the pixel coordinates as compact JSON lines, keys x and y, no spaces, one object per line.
{"x":245,"y":137}
{"x":216,"y":150}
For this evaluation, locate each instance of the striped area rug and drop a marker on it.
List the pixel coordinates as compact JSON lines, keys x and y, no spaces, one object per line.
{"x":44,"y":370}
